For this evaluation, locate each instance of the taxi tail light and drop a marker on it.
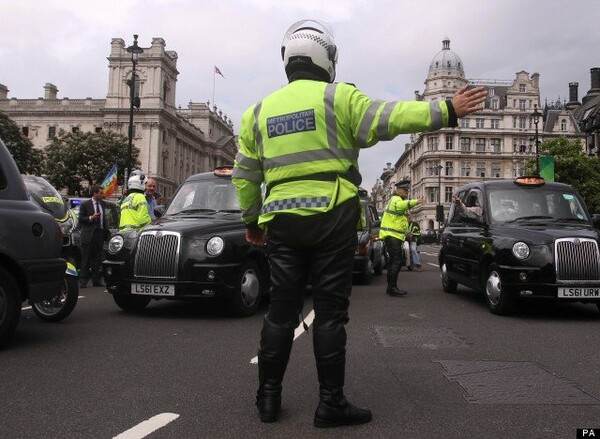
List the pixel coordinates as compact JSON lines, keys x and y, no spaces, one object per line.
{"x":362,"y":249}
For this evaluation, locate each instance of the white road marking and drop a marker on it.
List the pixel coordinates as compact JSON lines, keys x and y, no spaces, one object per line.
{"x":299,"y":330}
{"x":143,"y":429}
{"x":428,"y":254}
{"x":433,"y":265}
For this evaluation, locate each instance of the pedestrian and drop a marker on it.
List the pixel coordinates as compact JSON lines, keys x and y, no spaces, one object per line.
{"x":393,"y":230}
{"x":134,"y":208}
{"x":94,"y":232}
{"x":413,"y":236}
{"x":302,"y":142}
{"x":150,"y":193}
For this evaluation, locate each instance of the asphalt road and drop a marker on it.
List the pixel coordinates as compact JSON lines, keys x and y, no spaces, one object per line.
{"x":429,"y":365}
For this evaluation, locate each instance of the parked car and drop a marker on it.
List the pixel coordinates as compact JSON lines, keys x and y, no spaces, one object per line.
{"x":369,"y":258}
{"x":31,"y":267}
{"x":532,"y":240}
{"x":196,"y":251}
{"x":429,"y":237}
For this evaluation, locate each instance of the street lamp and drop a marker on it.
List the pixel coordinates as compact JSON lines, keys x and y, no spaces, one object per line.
{"x":439,"y":212}
{"x":536,"y":118}
{"x":135,"y":51}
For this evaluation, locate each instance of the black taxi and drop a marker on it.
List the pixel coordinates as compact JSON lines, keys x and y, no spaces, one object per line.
{"x":521,"y":239}
{"x":196,"y":251}
{"x":369,"y":254}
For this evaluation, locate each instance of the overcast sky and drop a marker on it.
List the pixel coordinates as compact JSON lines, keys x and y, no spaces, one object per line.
{"x":385,"y":47}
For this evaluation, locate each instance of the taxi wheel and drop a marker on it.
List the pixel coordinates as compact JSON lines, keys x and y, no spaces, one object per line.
{"x":246,"y":297}
{"x":378,"y":267}
{"x":10,"y":307}
{"x":131,"y":303}
{"x":499,"y":300}
{"x":448,"y":285}
{"x":60,"y":306}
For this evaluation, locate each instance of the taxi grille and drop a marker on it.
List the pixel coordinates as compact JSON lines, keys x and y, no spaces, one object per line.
{"x":577,"y":260}
{"x":157,"y":255}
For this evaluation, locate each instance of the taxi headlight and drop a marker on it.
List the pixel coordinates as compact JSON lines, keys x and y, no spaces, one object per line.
{"x":115,"y":244}
{"x":67,"y":226}
{"x":521,"y":250}
{"x":215,"y":245}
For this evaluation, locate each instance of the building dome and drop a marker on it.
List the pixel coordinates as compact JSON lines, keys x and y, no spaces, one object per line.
{"x":446,"y":62}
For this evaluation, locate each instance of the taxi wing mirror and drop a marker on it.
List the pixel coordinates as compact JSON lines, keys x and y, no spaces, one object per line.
{"x":596,"y":220}
{"x":159,"y":210}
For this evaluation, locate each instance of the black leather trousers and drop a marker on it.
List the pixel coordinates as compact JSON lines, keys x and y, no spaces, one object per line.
{"x":319,"y":251}
{"x":395,"y":251}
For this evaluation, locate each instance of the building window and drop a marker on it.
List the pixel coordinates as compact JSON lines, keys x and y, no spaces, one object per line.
{"x":491,"y":92}
{"x":432,"y":143}
{"x":448,"y":194}
{"x":74,"y":130}
{"x":518,"y":169}
{"x":495,"y":124}
{"x":479,"y":146}
{"x":449,"y":169}
{"x":522,"y":104}
{"x":496,"y":169}
{"x":51,"y":132}
{"x":25,"y":131}
{"x":496,"y":146}
{"x":432,"y":194}
{"x":522,"y":88}
{"x":465,"y":144}
{"x":98,"y":129}
{"x":495,"y":104}
{"x":522,"y":122}
{"x":563,"y":125}
{"x":133,"y":131}
{"x":479,"y":122}
{"x":514,"y":121}
{"x":480,"y":169}
{"x":465,"y":169}
{"x":449,"y":142}
{"x":464,"y":123}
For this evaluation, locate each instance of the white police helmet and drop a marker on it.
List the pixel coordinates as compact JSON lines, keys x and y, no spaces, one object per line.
{"x":309,"y":45}
{"x":137,"y":180}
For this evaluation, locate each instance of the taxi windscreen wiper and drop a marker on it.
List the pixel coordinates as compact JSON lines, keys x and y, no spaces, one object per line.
{"x":197,"y":210}
{"x":531,"y":217}
{"x":230,"y":210}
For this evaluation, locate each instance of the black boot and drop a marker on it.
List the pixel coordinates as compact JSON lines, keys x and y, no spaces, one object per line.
{"x":334,"y":410}
{"x":396,"y":292}
{"x":273,"y":356}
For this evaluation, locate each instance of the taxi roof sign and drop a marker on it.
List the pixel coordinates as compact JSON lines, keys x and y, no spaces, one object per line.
{"x":224,"y":171}
{"x":530,"y":181}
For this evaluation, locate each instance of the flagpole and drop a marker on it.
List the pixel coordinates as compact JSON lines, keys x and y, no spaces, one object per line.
{"x":214,"y":80}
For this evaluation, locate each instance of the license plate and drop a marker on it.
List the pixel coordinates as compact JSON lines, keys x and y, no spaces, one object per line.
{"x":578,"y":292}
{"x":153,"y":289}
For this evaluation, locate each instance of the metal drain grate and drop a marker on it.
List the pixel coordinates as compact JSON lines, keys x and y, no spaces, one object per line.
{"x":415,"y":337}
{"x":513,"y":382}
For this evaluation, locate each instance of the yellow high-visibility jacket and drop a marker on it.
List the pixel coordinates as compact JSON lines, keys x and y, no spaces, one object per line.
{"x":134,"y":212}
{"x":394,"y":222}
{"x":302,"y":141}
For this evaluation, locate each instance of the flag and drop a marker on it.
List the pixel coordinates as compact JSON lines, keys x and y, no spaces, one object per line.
{"x":219,"y":72}
{"x":110,"y":182}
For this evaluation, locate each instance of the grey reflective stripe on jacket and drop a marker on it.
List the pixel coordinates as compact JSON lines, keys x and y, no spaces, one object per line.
{"x":295,"y":203}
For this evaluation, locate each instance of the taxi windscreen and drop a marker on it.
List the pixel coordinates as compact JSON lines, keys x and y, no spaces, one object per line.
{"x":540,"y":203}
{"x":199,"y":196}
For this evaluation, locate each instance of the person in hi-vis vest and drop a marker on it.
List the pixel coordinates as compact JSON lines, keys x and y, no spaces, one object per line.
{"x":302,"y":142}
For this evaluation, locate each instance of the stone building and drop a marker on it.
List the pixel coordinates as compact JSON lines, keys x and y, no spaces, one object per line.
{"x":588,"y":112}
{"x":493,"y":143}
{"x":174,"y":142}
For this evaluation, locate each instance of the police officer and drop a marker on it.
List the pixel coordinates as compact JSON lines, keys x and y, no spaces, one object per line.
{"x":134,"y":208}
{"x":303,"y":141}
{"x":413,"y":236}
{"x":393,"y":230}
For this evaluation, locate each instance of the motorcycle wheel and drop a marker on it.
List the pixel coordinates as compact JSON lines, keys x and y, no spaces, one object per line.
{"x":60,"y":306}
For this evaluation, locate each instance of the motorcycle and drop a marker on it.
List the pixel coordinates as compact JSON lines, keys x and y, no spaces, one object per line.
{"x":49,"y":199}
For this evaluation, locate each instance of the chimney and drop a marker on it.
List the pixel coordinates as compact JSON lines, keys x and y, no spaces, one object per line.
{"x":50,"y":91}
{"x":573,"y":96}
{"x":3,"y":91}
{"x":595,"y":73}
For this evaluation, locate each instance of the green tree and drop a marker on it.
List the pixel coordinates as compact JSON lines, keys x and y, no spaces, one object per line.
{"x":29,"y":159}
{"x":73,"y":158}
{"x":574,"y":167}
